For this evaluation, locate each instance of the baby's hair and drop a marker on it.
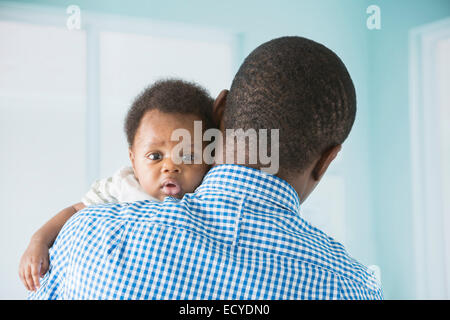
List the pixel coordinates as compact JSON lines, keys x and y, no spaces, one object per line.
{"x":170,"y":96}
{"x":300,"y":87}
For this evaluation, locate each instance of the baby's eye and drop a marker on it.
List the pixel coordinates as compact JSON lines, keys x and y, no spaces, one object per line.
{"x":154,"y":156}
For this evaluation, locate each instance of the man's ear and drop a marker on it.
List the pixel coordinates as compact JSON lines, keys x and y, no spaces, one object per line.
{"x":322,"y":165}
{"x":219,"y":107}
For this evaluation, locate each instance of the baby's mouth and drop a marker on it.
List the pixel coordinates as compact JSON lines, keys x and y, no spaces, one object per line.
{"x":171,"y":187}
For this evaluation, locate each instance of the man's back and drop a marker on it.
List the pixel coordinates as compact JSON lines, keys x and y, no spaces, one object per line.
{"x":240,"y":236}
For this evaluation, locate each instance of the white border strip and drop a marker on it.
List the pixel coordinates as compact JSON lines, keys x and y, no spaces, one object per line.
{"x":428,"y":219}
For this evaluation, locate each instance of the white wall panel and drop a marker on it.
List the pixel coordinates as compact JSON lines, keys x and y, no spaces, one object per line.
{"x":42,"y":134}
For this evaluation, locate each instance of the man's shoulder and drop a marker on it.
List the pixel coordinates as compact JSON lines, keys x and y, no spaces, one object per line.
{"x":318,"y":253}
{"x":112,"y":208}
{"x":365,"y":287}
{"x":356,"y":281}
{"x":116,"y":210}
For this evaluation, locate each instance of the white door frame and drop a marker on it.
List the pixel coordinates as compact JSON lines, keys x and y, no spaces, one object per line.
{"x":430,"y":212}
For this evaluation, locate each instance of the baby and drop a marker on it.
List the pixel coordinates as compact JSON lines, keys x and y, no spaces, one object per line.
{"x":158,"y":111}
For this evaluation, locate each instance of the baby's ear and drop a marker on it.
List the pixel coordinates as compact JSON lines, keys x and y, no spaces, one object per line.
{"x":219,"y":107}
{"x":131,"y":156}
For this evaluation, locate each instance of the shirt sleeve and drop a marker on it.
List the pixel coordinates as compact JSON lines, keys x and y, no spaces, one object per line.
{"x":102,"y":191}
{"x":120,"y":187}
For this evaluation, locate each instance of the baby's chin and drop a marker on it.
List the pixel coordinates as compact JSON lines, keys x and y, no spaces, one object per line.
{"x":161,"y":196}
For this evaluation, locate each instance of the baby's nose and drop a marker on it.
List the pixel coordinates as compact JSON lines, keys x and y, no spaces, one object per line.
{"x":170,"y":167}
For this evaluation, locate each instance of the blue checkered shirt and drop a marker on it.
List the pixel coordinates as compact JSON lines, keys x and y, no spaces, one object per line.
{"x":239,"y":236}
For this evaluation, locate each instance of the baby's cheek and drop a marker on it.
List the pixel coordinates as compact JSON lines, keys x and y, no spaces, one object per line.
{"x":150,"y":185}
{"x":194,"y":178}
{"x":151,"y":190}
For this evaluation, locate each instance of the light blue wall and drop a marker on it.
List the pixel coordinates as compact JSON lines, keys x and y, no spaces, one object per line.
{"x":390,"y":137}
{"x":377,"y":164}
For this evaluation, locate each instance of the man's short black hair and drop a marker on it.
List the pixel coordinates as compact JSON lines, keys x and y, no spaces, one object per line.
{"x":171,"y":96}
{"x":300,"y":87}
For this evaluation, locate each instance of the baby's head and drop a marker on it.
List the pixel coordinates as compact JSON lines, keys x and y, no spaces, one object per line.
{"x":160,"y":109}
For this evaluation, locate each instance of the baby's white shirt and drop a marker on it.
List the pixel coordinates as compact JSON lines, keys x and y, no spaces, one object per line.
{"x":121,"y":187}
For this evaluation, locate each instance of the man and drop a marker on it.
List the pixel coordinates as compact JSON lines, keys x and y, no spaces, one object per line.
{"x":240,"y":235}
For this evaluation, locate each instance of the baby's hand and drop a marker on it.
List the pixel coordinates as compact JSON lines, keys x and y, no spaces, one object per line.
{"x":33,"y":264}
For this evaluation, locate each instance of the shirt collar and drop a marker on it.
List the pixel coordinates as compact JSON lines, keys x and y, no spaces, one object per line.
{"x":252,"y":182}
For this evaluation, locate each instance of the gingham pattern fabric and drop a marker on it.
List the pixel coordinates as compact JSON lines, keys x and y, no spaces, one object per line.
{"x":239,"y":236}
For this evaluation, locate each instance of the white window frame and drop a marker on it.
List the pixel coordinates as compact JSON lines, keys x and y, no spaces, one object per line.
{"x":431,"y":223}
